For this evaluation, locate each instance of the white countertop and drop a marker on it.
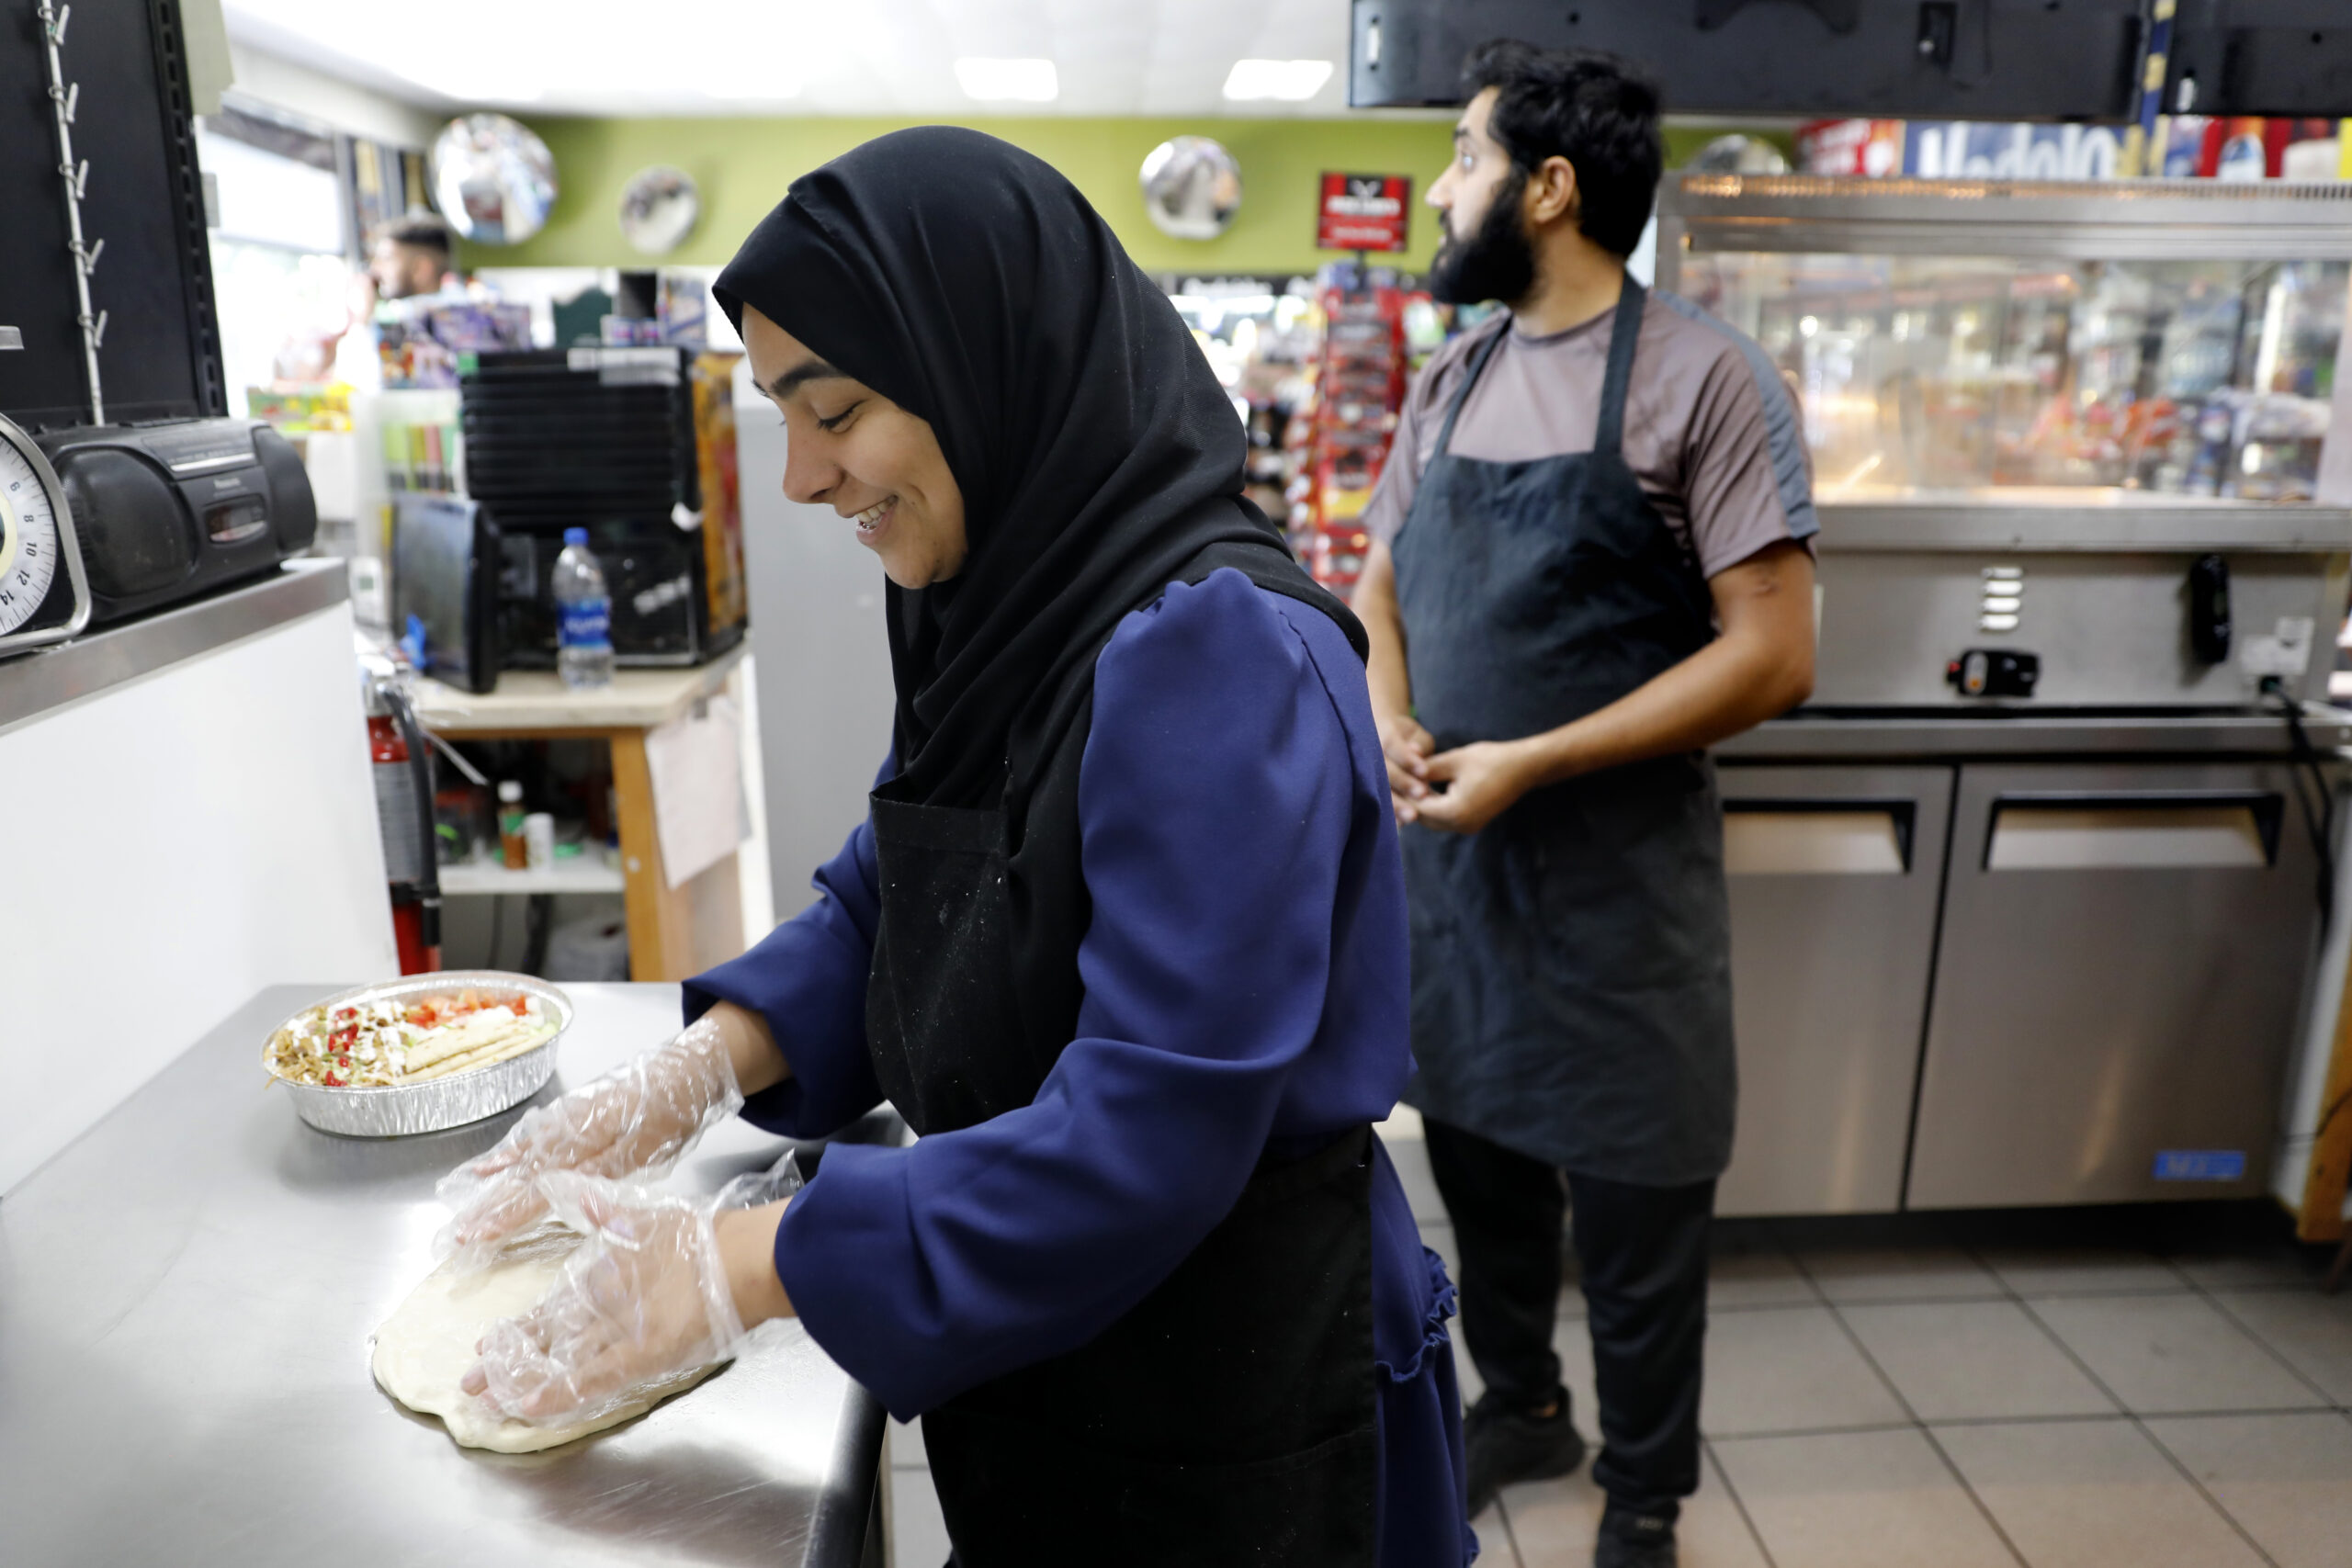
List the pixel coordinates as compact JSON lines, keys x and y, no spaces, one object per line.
{"x":40,"y":682}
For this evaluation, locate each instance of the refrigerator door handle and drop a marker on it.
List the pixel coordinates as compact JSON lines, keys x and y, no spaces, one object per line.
{"x":1818,"y":837}
{"x":2170,"y":830}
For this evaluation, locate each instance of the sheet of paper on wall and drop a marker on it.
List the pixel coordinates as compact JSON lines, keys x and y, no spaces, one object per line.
{"x":696,"y":762}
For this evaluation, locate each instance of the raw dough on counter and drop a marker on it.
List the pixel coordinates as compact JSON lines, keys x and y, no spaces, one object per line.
{"x":428,"y":1344}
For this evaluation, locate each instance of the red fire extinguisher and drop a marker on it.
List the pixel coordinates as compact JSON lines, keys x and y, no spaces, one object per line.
{"x":404,"y":774}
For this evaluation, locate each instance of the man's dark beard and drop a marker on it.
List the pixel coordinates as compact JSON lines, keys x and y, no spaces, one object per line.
{"x":1496,"y":262}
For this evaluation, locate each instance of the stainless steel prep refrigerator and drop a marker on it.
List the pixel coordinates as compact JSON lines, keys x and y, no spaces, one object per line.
{"x":2025,"y":901}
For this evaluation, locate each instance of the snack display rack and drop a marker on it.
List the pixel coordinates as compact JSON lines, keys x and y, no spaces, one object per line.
{"x":1318,"y":370}
{"x":1359,"y":388}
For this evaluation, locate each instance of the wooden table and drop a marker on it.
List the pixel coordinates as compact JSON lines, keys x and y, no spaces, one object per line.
{"x":673,"y":933}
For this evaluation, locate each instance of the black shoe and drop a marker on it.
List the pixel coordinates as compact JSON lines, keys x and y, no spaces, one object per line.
{"x":1506,"y":1445}
{"x":1629,"y":1539}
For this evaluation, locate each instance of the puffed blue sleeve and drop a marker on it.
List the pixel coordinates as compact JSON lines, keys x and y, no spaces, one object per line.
{"x":807,"y":978}
{"x":1213,"y":811}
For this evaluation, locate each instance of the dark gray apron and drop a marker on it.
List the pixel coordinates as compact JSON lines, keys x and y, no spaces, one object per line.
{"x":1229,"y":1418}
{"x":1571,"y":968}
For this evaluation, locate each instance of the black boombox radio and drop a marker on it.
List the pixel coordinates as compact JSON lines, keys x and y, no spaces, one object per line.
{"x":169,"y":512}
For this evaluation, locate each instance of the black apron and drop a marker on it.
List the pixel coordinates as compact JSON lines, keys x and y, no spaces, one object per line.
{"x":1571,"y":967}
{"x":1228,"y":1417}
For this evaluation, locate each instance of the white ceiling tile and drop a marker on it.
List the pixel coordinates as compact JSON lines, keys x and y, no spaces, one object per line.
{"x":889,"y":57}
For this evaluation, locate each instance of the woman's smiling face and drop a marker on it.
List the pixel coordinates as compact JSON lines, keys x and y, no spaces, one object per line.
{"x":849,"y":448}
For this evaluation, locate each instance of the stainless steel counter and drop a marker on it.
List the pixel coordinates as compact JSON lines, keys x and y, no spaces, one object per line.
{"x":35,"y":683}
{"x":186,"y":1297}
{"x":2019,"y":730}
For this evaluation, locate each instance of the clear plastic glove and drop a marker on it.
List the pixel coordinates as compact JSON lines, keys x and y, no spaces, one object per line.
{"x":757,"y":1188}
{"x":645,"y":1299}
{"x":635,"y":1120}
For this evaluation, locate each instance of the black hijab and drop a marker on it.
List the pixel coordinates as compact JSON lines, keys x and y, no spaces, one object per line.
{"x":1098,"y":456}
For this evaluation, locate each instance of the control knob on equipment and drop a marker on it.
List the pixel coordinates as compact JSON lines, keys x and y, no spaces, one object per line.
{"x":2209,"y":608}
{"x":1993,"y":672}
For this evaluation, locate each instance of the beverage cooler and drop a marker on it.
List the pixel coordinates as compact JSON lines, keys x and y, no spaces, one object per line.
{"x":2025,"y":902}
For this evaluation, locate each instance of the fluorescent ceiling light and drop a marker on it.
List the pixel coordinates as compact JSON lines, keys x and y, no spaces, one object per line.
{"x":745,"y":84}
{"x":1292,"y":81}
{"x":1025,"y":81}
{"x":748,"y":94}
{"x":469,"y":82}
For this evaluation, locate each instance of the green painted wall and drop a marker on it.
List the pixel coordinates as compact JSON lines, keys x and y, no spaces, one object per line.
{"x":743,"y":165}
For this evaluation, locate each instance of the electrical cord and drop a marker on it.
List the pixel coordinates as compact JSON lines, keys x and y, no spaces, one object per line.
{"x":2314,"y":796}
{"x":420,"y":761}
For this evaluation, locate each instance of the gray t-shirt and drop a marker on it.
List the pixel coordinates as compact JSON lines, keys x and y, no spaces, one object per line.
{"x":1710,"y":429}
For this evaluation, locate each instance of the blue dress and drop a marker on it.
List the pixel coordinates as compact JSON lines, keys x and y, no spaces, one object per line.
{"x":1232,"y":784}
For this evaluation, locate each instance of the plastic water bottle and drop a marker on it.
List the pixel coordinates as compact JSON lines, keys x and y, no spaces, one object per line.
{"x":583,"y":617}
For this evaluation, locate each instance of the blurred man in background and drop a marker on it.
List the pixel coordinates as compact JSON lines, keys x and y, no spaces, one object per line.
{"x":411,"y":255}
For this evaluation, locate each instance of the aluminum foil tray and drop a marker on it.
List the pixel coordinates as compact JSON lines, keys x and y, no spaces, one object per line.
{"x":436,"y":1103}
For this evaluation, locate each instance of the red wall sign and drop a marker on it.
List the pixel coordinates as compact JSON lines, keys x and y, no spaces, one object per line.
{"x":1363,"y":213}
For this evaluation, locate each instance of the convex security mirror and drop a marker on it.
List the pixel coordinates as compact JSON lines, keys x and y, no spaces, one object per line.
{"x":1192,"y":187}
{"x":493,"y":179}
{"x":659,"y":206}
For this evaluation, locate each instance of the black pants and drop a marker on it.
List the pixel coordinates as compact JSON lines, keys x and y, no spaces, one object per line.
{"x":1643,"y":1253}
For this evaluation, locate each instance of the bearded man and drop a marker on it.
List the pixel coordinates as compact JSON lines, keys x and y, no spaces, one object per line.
{"x":1589,"y":564}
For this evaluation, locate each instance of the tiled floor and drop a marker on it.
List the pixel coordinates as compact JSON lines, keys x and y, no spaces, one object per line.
{"x":1983,"y":1392}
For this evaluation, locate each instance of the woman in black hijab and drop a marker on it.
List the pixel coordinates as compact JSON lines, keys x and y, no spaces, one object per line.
{"x":1122,"y":937}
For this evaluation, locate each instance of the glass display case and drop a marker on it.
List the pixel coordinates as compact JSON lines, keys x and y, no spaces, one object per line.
{"x":2084,"y":541}
{"x":2039,"y":344}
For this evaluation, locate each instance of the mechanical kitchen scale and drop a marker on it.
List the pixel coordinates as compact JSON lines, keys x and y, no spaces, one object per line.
{"x":38,"y":605}
{"x":124,"y":505}
{"x":44,"y":593}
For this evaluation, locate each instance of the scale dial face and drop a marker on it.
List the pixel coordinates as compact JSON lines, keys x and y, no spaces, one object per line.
{"x":30,"y":547}
{"x":42,"y":595}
